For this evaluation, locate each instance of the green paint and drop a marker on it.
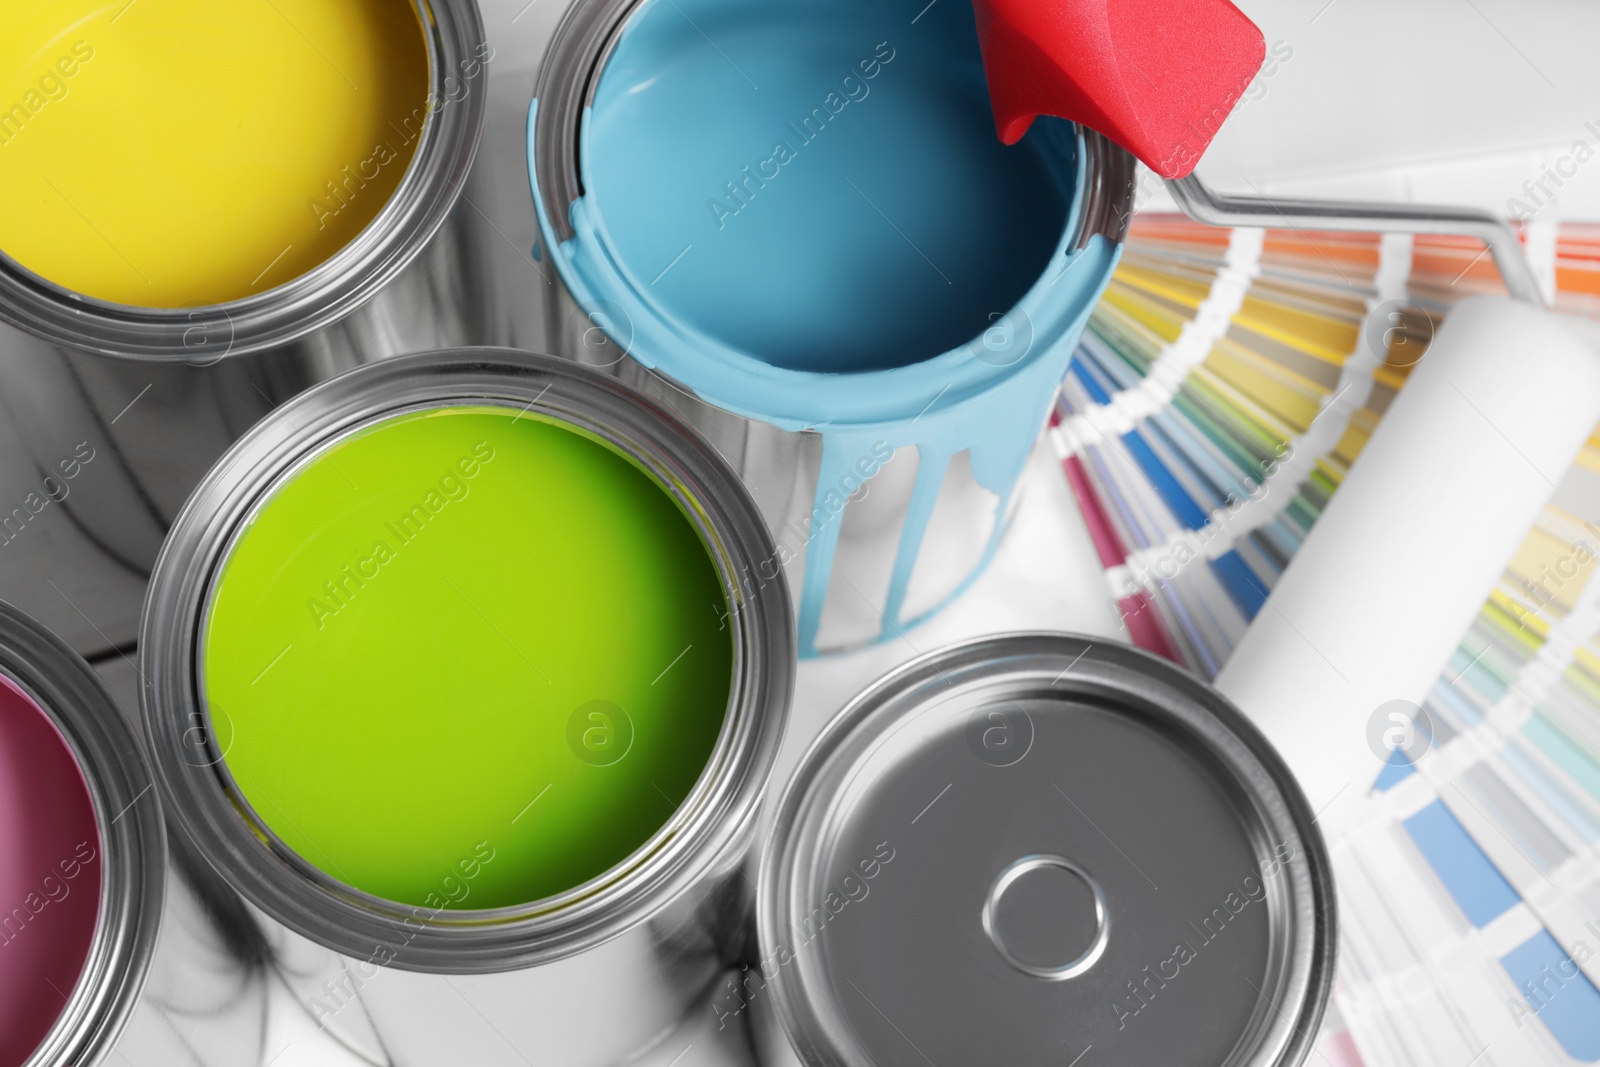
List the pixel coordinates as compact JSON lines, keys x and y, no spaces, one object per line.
{"x":407,"y":644}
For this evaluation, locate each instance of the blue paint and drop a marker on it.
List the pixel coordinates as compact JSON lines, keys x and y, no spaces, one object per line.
{"x":834,"y":175}
{"x":1473,"y":880}
{"x":1181,"y":461}
{"x":1550,"y":739}
{"x":1552,"y":791}
{"x":1241,"y":582}
{"x":1454,"y":700}
{"x":1395,"y":770}
{"x":1283,"y":537}
{"x":1226,"y":486}
{"x":1105,"y":384}
{"x":1096,"y":393}
{"x":802,"y":212}
{"x":1182,"y":506}
{"x":1268,"y":550}
{"x":1197,"y":642}
{"x":1559,"y":993}
{"x":1111,"y":362}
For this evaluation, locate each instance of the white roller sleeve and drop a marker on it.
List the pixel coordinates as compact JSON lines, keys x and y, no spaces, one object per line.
{"x":1402,"y":559}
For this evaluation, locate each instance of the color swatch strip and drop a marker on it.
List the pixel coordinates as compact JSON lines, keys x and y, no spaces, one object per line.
{"x":1225,"y":386}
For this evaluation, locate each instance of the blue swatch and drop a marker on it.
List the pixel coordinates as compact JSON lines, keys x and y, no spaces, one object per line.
{"x":1247,"y":591}
{"x":1477,"y":885}
{"x":1560,"y":994}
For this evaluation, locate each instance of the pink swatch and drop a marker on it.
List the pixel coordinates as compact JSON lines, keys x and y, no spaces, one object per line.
{"x":49,"y":874}
{"x":1137,"y":609}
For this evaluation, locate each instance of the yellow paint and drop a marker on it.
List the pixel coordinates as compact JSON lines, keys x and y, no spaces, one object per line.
{"x":1332,"y":468}
{"x":1496,"y":616}
{"x":1556,"y":570}
{"x":1157,"y":319}
{"x":172,"y":153}
{"x":1111,"y":319}
{"x":1589,"y":459}
{"x":1300,"y":342}
{"x":1390,"y":377}
{"x":1292,"y":398}
{"x":1179,"y":290}
{"x":1332,"y":339}
{"x":1268,"y":420}
{"x":1356,"y":434}
{"x":1582,"y":673}
{"x":1525,"y":614}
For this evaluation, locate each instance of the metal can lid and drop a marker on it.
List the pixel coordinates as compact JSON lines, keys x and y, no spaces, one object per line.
{"x":1038,"y":848}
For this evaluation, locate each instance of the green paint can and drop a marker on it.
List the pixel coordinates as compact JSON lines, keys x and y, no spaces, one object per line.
{"x":464,"y":670}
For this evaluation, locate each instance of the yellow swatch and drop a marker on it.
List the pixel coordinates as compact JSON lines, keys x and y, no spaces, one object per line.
{"x":173,"y":153}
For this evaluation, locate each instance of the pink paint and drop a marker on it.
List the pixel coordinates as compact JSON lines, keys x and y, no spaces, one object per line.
{"x":49,"y":874}
{"x":1340,"y":1050}
{"x":1137,"y":609}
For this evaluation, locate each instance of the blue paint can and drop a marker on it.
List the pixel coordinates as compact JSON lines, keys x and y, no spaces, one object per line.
{"x":793,"y":222}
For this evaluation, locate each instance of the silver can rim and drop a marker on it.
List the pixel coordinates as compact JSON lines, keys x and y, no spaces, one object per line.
{"x":568,"y":78}
{"x":570,"y":74}
{"x":200,"y":336}
{"x":704,"y":836}
{"x":817,"y":1030}
{"x":133,"y":844}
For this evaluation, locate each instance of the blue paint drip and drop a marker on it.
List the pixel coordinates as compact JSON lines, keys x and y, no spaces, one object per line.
{"x":800,"y":210}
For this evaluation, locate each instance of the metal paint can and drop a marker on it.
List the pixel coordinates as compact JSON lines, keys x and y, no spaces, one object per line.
{"x":130,"y":847}
{"x":177,"y":969}
{"x":588,"y":976}
{"x":161,"y":392}
{"x":207,"y":994}
{"x":1025,"y":847}
{"x":882,"y":518}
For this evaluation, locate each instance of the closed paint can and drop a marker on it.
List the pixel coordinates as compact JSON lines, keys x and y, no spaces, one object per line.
{"x":459,"y":669}
{"x":843,"y":279}
{"x":290,"y":213}
{"x":1028,"y":847}
{"x":82,"y":862}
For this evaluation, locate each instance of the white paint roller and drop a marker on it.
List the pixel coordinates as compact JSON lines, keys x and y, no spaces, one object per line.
{"x":1402,"y":559}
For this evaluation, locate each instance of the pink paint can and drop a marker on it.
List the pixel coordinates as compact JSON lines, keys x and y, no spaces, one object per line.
{"x":82,"y":856}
